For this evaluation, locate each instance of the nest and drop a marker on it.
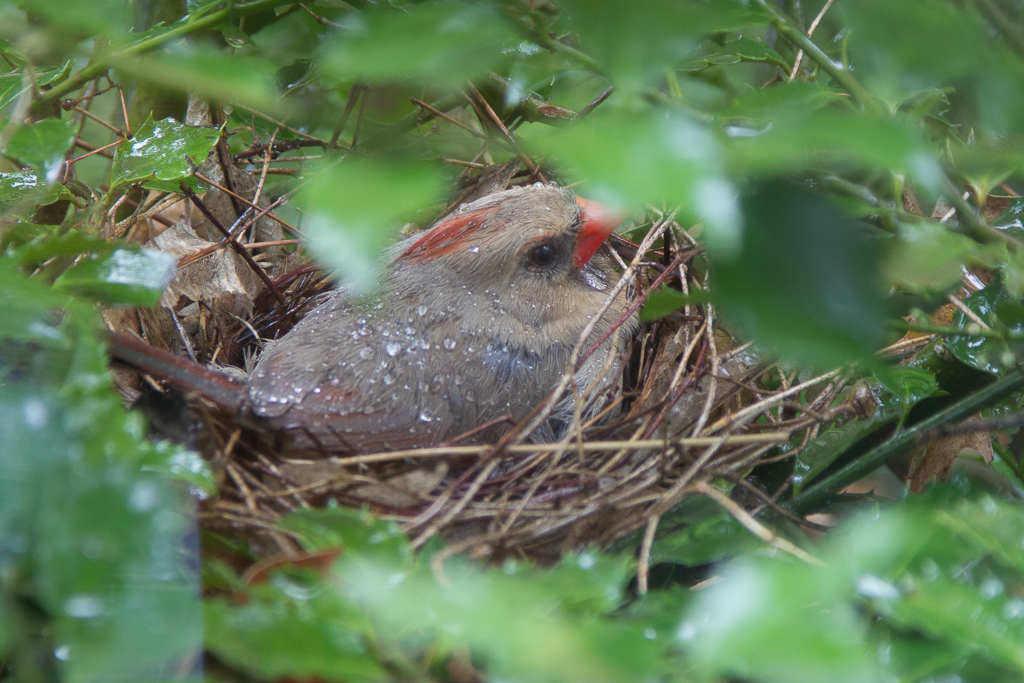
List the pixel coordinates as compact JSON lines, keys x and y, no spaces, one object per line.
{"x":694,"y":406}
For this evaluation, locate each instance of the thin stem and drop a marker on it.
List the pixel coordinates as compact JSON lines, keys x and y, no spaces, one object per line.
{"x":955,"y":331}
{"x":973,"y":225}
{"x":1011,"y":31}
{"x":784,"y":25}
{"x":812,"y":496}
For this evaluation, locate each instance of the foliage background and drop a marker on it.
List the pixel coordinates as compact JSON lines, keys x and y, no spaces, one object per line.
{"x":813,"y":188}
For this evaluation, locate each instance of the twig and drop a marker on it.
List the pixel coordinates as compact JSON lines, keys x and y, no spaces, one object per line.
{"x":753,"y":526}
{"x":109,"y":126}
{"x":587,"y":446}
{"x":810,"y":32}
{"x":643,"y":569}
{"x":239,"y":249}
{"x":437,"y":112}
{"x":597,"y":100}
{"x":813,"y":495}
{"x":242,"y":199}
{"x":98,"y":150}
{"x":102,"y":63}
{"x":784,"y":26}
{"x":962,"y":307}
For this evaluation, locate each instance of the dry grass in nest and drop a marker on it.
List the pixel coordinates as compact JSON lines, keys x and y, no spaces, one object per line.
{"x":695,"y":407}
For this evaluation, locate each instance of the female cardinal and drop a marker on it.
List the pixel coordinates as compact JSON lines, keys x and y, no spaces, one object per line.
{"x":476,"y":320}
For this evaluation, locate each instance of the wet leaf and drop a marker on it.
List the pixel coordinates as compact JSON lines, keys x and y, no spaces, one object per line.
{"x":991,"y":526}
{"x":996,"y":308}
{"x":928,"y":257}
{"x":162,"y":155}
{"x":104,"y":541}
{"x":135,"y":277}
{"x":942,"y":452}
{"x":909,"y":385}
{"x":21,"y":192}
{"x":732,"y":628}
{"x":826,"y":448}
{"x":357,"y":532}
{"x":964,"y":615}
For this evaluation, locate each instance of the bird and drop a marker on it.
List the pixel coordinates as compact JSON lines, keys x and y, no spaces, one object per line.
{"x":475,"y":320}
{"x":474,"y":323}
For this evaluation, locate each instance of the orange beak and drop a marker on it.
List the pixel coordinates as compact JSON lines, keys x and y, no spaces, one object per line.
{"x":598,"y":222}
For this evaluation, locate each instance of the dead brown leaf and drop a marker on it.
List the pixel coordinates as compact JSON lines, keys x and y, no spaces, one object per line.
{"x":941,"y":453}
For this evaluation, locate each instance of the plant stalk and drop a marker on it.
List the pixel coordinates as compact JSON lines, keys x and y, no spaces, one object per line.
{"x":812,"y":496}
{"x":104,"y":62}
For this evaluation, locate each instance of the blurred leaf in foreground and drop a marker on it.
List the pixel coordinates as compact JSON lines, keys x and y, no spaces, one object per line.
{"x":20,"y":192}
{"x":441,"y":43}
{"x":631,"y":158}
{"x":804,"y":281}
{"x":357,"y":206}
{"x":636,"y":42}
{"x":42,"y":145}
{"x":135,"y":277}
{"x":94,"y":544}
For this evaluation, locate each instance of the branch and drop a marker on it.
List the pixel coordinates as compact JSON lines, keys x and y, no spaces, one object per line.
{"x":784,"y":25}
{"x":812,"y":496}
{"x":103,"y":62}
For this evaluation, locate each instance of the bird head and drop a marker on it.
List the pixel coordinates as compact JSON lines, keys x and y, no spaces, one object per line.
{"x":520,"y":263}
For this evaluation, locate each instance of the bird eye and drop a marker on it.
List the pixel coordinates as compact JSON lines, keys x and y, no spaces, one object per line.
{"x":542,"y":256}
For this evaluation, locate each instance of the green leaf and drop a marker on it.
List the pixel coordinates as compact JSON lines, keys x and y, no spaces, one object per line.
{"x":103,"y":543}
{"x":733,"y":628}
{"x":356,"y":207}
{"x":28,"y":309}
{"x":804,"y":281}
{"x":928,"y":257}
{"x":173,"y":461}
{"x":992,"y":526}
{"x":104,"y":17}
{"x":631,"y":158}
{"x":356,"y":531}
{"x":294,"y":627}
{"x":789,"y":139}
{"x":667,"y":300}
{"x":135,"y":277}
{"x":893,"y":59}
{"x":42,"y":145}
{"x":702,"y":533}
{"x":636,"y":42}
{"x":442,"y":43}
{"x":21,"y":192}
{"x":534,"y":637}
{"x":963,"y":615}
{"x":1002,"y":312}
{"x":908,"y":385}
{"x":161,"y":155}
{"x":824,"y":449}
{"x":244,"y":79}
